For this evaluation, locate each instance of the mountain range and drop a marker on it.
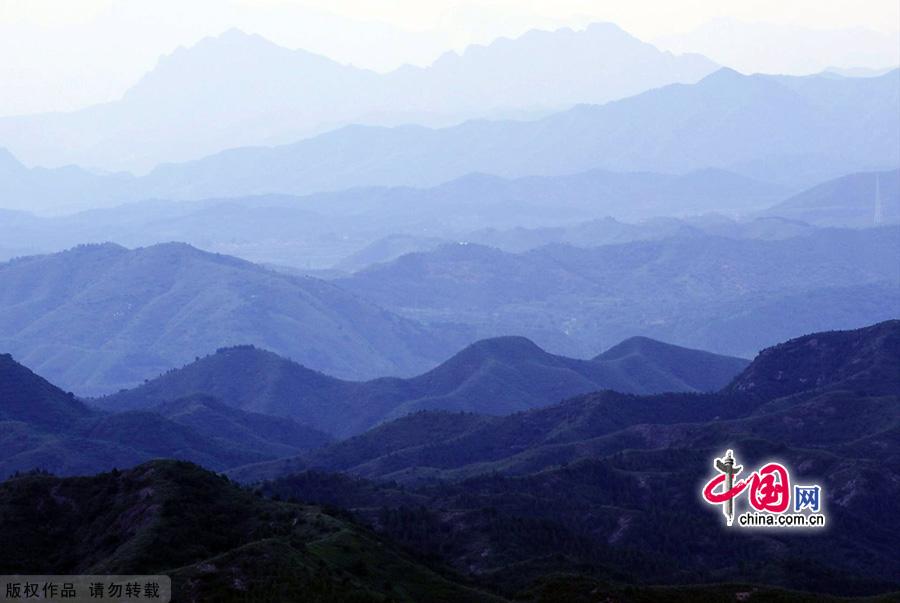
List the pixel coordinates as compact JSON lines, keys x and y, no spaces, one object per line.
{"x":317,"y":228}
{"x":286,"y":329}
{"x":42,"y":426}
{"x":350,"y":230}
{"x":729,"y":296}
{"x":238,"y":89}
{"x":590,"y":233}
{"x":502,"y":503}
{"x":496,"y":377}
{"x":823,"y":127}
{"x":101,"y":317}
{"x":609,"y":483}
{"x":320,"y":230}
{"x":726,"y":120}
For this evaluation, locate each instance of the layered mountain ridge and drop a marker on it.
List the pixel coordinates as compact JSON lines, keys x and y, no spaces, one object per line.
{"x":297,"y":94}
{"x":496,"y":376}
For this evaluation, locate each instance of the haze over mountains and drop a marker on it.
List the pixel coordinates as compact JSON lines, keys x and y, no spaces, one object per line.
{"x":790,"y":48}
{"x":239,"y":89}
{"x":731,"y":296}
{"x":353,"y":229}
{"x":100,"y":317}
{"x":318,"y":231}
{"x":726,"y":120}
{"x":590,"y":233}
{"x":856,"y":200}
{"x":772,"y":128}
{"x":496,"y":314}
{"x":859,"y":200}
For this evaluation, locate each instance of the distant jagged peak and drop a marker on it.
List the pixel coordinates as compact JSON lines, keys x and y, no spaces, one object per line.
{"x":602,"y":32}
{"x":238,"y":40}
{"x":235,"y":34}
{"x":232,"y":39}
{"x":229,"y":58}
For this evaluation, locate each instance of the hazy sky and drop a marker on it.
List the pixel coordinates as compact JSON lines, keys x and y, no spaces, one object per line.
{"x":64,"y":54}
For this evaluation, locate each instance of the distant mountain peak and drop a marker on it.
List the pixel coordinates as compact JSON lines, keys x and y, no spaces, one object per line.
{"x":248,"y":353}
{"x":238,"y":89}
{"x":235,"y":33}
{"x":724,"y":74}
{"x":509,"y":347}
{"x":595,"y":35}
{"x":223,"y":64}
{"x":631,"y":345}
{"x":176,"y":251}
{"x":232,"y":37}
{"x":653,"y":347}
{"x":605,"y":26}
